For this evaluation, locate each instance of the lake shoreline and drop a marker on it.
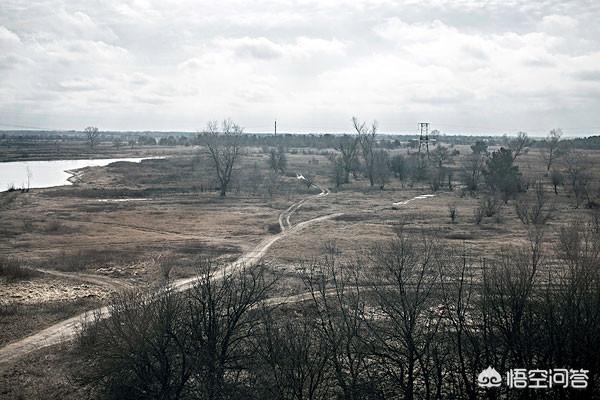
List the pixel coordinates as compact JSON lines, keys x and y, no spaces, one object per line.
{"x":43,"y":174}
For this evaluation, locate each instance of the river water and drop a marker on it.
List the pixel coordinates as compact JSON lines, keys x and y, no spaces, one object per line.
{"x":43,"y":174}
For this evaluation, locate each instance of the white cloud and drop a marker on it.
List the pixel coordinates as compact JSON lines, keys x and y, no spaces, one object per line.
{"x":266,"y":49}
{"x":558,"y":23}
{"x":259,"y":47}
{"x":166,"y":64}
{"x":8,"y":38}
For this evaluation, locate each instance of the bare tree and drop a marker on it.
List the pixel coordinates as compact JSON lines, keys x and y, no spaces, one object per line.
{"x":440,"y":156}
{"x":507,"y":301}
{"x":92,"y":135}
{"x":399,"y":167}
{"x":170,"y":345}
{"x":557,"y":179}
{"x":140,"y":350}
{"x":472,"y":171}
{"x":381,"y":168}
{"x":338,"y":172}
{"x":224,"y":149}
{"x":295,"y":358}
{"x":438,"y":170}
{"x":452,"y":212}
{"x":271,"y":183}
{"x":551,"y":150}
{"x":405,"y":294}
{"x":348,"y":148}
{"x":278,"y":160}
{"x":221,"y":321}
{"x":341,"y":324}
{"x":501,"y":175}
{"x":519,"y":144}
{"x":571,"y":316}
{"x":578,"y":176}
{"x":459,"y":291}
{"x":474,"y":164}
{"x":367,"y":143}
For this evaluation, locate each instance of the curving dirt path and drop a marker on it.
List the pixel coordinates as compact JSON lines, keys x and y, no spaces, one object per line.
{"x":398,"y":204}
{"x":284,"y":217}
{"x":67,"y":329}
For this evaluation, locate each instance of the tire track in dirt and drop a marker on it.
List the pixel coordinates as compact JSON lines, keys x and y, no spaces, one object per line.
{"x":134,"y":227}
{"x":67,"y":329}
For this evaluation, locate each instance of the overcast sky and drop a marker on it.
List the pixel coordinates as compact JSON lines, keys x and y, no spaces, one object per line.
{"x":466,"y":66}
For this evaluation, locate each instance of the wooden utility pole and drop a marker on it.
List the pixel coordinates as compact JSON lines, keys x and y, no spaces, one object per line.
{"x":275,"y":127}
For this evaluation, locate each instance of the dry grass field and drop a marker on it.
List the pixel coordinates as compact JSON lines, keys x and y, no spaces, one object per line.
{"x":132,"y":225}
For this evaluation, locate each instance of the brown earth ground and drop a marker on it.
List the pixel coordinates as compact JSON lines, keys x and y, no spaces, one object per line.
{"x":121,"y":224}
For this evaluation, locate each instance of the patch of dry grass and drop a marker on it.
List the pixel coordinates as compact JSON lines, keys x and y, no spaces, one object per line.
{"x":12,"y":269}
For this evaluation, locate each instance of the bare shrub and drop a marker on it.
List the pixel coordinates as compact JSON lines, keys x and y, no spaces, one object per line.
{"x":12,"y":269}
{"x":452,"y":212}
{"x":87,"y":258}
{"x":478,"y":215}
{"x":7,"y":199}
{"x":165,"y":264}
{"x":274,"y":228}
{"x":308,"y":179}
{"x":536,"y":210}
{"x":490,"y":205}
{"x":54,"y":226}
{"x":9,"y":308}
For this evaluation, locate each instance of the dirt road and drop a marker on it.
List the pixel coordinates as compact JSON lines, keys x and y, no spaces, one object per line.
{"x":67,"y":329}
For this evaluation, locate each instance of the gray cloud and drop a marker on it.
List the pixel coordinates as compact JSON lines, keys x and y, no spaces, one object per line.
{"x":153,"y":64}
{"x":589,"y":75}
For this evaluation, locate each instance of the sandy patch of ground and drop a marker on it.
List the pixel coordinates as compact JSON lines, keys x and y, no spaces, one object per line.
{"x":50,"y":289}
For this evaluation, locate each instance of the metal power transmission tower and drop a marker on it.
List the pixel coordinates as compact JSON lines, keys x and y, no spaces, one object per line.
{"x":424,"y":136}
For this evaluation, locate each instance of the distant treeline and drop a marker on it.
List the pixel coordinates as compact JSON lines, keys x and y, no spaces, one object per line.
{"x":312,"y":140}
{"x":325,"y":140}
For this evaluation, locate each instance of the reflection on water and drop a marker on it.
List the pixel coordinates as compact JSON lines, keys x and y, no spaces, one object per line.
{"x":43,"y":174}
